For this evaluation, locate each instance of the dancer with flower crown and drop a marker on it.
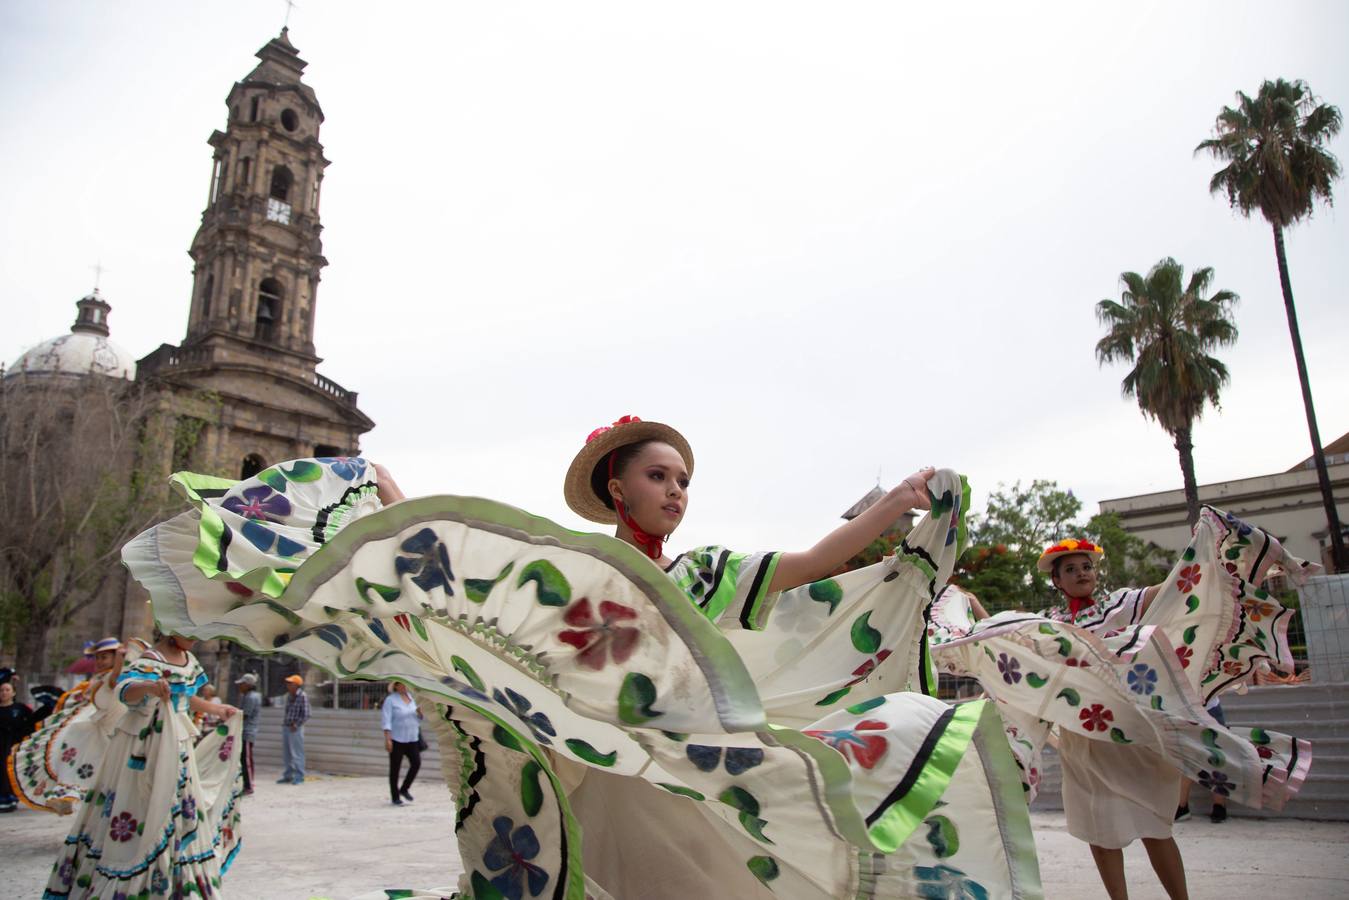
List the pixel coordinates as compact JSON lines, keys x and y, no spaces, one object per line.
{"x":614,"y":721}
{"x":1124,"y":679}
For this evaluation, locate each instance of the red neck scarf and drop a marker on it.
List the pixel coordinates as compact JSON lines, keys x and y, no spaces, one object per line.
{"x":651,"y":545}
{"x":1077,"y":605}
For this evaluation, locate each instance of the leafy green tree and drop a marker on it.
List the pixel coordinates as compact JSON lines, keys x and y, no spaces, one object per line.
{"x":1167,"y":331}
{"x":1129,"y":561}
{"x":1274,"y":147}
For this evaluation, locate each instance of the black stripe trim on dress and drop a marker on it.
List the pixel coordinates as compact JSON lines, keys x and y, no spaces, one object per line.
{"x":751,"y":603}
{"x":1292,"y":760}
{"x":1255,"y":567}
{"x":321,"y":520}
{"x":920,"y":760}
{"x":717,"y":575}
{"x":674,"y":562}
{"x":1138,"y":631}
{"x":924,"y":685}
{"x":222,"y":561}
{"x":560,"y":887}
{"x":210,"y":493}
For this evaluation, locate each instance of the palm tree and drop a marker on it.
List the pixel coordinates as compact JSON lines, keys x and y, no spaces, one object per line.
{"x":1274,"y":147}
{"x":1167,"y":333}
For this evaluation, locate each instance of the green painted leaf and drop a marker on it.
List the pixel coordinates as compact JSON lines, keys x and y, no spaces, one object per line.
{"x":1259,"y":736}
{"x":676,"y":736}
{"x":418,"y":627}
{"x":1188,"y":555}
{"x":755,"y":826}
{"x":222,"y":729}
{"x":1072,"y":697}
{"x":1065,"y":646}
{"x":554,"y":590}
{"x":484,"y":889}
{"x":1118,"y":737}
{"x":478,"y":588}
{"x":273,"y":479}
{"x":681,"y":791}
{"x":1156,"y":701}
{"x":635,"y":698}
{"x":385,"y":593}
{"x":506,"y":739}
{"x":531,"y":793}
{"x":1036,"y":681}
{"x":866,"y":705}
{"x":463,"y":668}
{"x":1210,"y":738}
{"x":1190,"y":633}
{"x":1261,"y":594}
{"x":1217,"y":758}
{"x":942,"y":836}
{"x":740,"y":799}
{"x":590,"y":754}
{"x":1191,"y":604}
{"x":765,"y":868}
{"x":827,"y":591}
{"x":865,"y":638}
{"x":833,"y":697}
{"x":1046,"y":628}
{"x":303,"y":472}
{"x":279,"y":610}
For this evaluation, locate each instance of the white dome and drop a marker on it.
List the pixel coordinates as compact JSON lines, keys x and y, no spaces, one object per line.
{"x":77,"y":353}
{"x":85,"y":351}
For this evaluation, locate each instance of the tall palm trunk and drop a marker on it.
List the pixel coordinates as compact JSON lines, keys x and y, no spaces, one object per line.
{"x":1337,"y":551}
{"x":1185,"y":447}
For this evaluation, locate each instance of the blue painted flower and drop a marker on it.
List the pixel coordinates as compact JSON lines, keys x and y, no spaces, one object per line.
{"x":67,"y":871}
{"x":348,"y":468}
{"x":107,"y":804}
{"x":189,"y":808}
{"x":538,"y":723}
{"x":511,"y":850}
{"x":428,"y":562}
{"x":1010,"y":668}
{"x":946,"y":883}
{"x":1142,"y":679}
{"x":259,"y":504}
{"x":159,"y":883}
{"x":1216,"y":782}
{"x":460,"y":687}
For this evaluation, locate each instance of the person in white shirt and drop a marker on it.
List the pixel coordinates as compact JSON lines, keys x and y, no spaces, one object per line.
{"x":402,"y":738}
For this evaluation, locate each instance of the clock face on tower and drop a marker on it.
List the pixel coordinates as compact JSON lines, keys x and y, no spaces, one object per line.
{"x":278,"y":211}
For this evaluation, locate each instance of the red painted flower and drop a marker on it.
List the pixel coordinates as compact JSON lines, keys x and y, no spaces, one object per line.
{"x":235,"y":587}
{"x":1189,"y":579}
{"x":1183,"y":654}
{"x":864,"y":749}
{"x":68,"y":755}
{"x":1258,"y":609}
{"x":1097,"y":718}
{"x":123,"y":827}
{"x":1232,"y":667}
{"x":1265,"y":752}
{"x":598,"y":637}
{"x":1076,"y":663}
{"x":865,"y":669}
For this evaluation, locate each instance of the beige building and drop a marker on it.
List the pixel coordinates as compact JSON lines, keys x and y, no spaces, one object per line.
{"x":242,"y":390}
{"x":1286,"y":504}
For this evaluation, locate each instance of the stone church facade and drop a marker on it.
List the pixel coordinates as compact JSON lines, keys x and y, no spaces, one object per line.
{"x":242,"y":390}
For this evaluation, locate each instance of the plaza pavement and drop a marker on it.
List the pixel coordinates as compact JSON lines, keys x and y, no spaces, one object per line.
{"x":336,"y":837}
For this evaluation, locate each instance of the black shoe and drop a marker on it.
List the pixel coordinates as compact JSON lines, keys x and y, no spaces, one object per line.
{"x":397,"y":802}
{"x":405,"y":795}
{"x":1182,"y":813}
{"x":1219,"y":814}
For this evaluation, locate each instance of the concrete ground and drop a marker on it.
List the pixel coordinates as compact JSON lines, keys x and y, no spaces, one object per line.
{"x":336,"y":837}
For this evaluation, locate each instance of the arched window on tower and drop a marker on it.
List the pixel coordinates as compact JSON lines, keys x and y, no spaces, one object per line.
{"x":253,"y":110}
{"x":278,"y":201}
{"x":207,"y":293}
{"x":269,"y":310}
{"x":245,"y":171}
{"x":253,"y":464}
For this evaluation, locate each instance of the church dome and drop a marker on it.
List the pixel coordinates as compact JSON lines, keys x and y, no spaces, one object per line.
{"x":86,"y":350}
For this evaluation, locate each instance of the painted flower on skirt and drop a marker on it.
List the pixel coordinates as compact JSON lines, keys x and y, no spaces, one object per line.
{"x":159,"y":882}
{"x":538,"y":723}
{"x":1189,"y":579}
{"x":1010,"y":668}
{"x":864,"y":749}
{"x":1216,"y":782}
{"x":1096,"y":718}
{"x":348,"y":468}
{"x":258,"y":504}
{"x":120,"y":895}
{"x":1142,"y":679}
{"x":511,"y":851}
{"x":68,"y":755}
{"x":67,"y":871}
{"x":107,"y":804}
{"x":1258,"y":609}
{"x":1076,"y":663}
{"x":1184,"y":654}
{"x":1232,"y":667}
{"x":85,"y":770}
{"x":947,"y":883}
{"x":226,"y":748}
{"x":599,"y":636}
{"x":189,"y":808}
{"x":429,"y":562}
{"x":123,"y":827}
{"x":862,"y":672}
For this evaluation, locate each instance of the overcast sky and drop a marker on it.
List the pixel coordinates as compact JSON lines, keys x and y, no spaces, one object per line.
{"x":823,"y":240}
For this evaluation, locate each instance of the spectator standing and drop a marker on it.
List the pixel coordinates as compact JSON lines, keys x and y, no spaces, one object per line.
{"x":251,"y":706}
{"x":402,"y":738}
{"x":16,"y":721}
{"x":292,"y":732}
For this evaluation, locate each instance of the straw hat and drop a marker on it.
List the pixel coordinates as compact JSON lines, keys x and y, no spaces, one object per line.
{"x":581,"y":497}
{"x":1067,"y":548}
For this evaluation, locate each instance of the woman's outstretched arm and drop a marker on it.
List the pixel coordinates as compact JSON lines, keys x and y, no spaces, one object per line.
{"x":850,"y":538}
{"x":388,"y":490}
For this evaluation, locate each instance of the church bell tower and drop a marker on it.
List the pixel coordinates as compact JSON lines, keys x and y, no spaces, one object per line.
{"x":258,"y":253}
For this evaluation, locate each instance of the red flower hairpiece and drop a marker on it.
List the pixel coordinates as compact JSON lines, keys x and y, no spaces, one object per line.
{"x":625,"y":420}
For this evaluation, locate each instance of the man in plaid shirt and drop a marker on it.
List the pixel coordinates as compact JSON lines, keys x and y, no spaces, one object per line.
{"x":292,"y":732}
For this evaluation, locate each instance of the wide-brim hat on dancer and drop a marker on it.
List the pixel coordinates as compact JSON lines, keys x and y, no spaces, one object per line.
{"x":579,"y":487}
{"x":1067,"y":548}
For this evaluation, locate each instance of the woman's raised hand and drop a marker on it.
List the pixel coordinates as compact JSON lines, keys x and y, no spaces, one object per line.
{"x":388,"y":490}
{"x":225,"y":711}
{"x":917,"y":483}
